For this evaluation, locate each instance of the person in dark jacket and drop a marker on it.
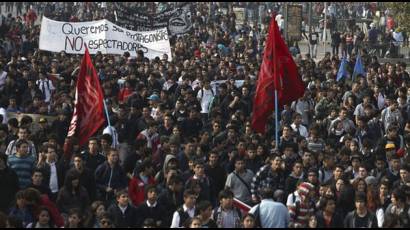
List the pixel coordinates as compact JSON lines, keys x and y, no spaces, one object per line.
{"x":92,"y":157}
{"x":87,"y":178}
{"x":151,"y":209}
{"x":199,"y":177}
{"x":8,"y":184}
{"x":123,"y":214}
{"x":72,"y":195}
{"x":361,"y":217}
{"x":110,"y":177}
{"x":37,"y":178}
{"x":328,"y":217}
{"x":172,"y":197}
{"x":269,"y":175}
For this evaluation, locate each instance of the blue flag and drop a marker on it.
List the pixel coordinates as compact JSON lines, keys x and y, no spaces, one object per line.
{"x":358,"y":68}
{"x":342,"y":69}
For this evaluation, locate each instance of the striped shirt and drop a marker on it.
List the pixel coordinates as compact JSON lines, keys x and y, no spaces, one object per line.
{"x":300,"y":215}
{"x":316,"y":146}
{"x":23,"y":167}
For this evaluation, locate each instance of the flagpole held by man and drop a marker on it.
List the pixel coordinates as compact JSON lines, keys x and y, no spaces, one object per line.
{"x":278,"y":73}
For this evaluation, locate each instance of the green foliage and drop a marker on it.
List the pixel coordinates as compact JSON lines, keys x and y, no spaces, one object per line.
{"x":401,"y":13}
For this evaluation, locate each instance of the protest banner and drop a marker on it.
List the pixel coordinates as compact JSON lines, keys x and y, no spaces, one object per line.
{"x":177,"y":20}
{"x":294,"y":21}
{"x":103,"y":36}
{"x":240,"y":15}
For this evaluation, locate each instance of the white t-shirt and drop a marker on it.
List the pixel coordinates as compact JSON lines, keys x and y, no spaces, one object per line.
{"x":4,"y":114}
{"x":48,"y":88}
{"x":205,"y":98}
{"x":290,"y":200}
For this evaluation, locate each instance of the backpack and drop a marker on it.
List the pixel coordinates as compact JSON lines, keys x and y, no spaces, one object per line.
{"x":218,"y":211}
{"x":183,"y":216}
{"x":258,"y":223}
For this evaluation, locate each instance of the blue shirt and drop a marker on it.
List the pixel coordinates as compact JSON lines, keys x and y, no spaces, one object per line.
{"x":272,"y":214}
{"x":23,"y":167}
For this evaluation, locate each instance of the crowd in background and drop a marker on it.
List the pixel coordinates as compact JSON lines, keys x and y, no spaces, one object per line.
{"x":180,"y":150}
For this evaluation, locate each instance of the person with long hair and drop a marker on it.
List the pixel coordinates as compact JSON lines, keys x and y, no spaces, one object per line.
{"x":97,"y":209}
{"x":399,"y":207}
{"x":383,"y":201}
{"x":72,"y":194}
{"x":360,"y":185}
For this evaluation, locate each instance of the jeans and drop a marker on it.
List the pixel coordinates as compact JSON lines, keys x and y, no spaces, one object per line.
{"x":313,"y":50}
{"x":335,"y":49}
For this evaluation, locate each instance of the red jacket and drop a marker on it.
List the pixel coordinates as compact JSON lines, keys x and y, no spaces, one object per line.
{"x":52,"y":208}
{"x":124,"y":94}
{"x":136,"y":189}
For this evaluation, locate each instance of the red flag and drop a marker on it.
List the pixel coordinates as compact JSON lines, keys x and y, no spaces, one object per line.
{"x":285,"y":78}
{"x":89,"y":108}
{"x":241,"y":206}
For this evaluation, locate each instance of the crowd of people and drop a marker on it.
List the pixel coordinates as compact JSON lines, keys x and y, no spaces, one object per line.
{"x":181,"y":151}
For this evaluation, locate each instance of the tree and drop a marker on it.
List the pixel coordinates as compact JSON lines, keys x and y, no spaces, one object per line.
{"x":401,"y":13}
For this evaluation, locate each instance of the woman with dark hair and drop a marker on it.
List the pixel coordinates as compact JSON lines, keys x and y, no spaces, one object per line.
{"x":72,"y":194}
{"x":43,"y":219}
{"x":328,"y":216}
{"x":249,"y":221}
{"x":97,"y":209}
{"x":360,"y":185}
{"x":399,"y":207}
{"x":383,"y":201}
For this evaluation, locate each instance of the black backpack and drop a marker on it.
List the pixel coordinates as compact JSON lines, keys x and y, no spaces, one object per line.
{"x":183,"y":216}
{"x":257,"y":215}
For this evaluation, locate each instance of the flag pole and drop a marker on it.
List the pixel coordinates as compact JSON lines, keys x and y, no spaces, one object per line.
{"x":106,"y":114}
{"x":275,"y":77}
{"x":105,"y":105}
{"x":276,"y":121}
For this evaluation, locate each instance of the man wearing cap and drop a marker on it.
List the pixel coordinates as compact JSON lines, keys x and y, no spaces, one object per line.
{"x":44,"y":129}
{"x":153,"y":101}
{"x":392,"y":140}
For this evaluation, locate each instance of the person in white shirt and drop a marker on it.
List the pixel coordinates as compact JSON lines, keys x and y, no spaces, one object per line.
{"x":46,"y":87}
{"x":3,"y":113}
{"x":187,"y":210}
{"x":3,"y":76}
{"x":297,"y":126}
{"x":205,"y":96}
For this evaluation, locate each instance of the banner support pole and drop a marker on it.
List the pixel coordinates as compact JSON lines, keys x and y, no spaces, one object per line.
{"x":276,"y":121}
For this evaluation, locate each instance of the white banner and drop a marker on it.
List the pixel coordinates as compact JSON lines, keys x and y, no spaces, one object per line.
{"x":104,"y":36}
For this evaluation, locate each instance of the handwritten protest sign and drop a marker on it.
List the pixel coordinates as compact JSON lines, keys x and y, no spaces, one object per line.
{"x":240,"y":15}
{"x":103,"y":36}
